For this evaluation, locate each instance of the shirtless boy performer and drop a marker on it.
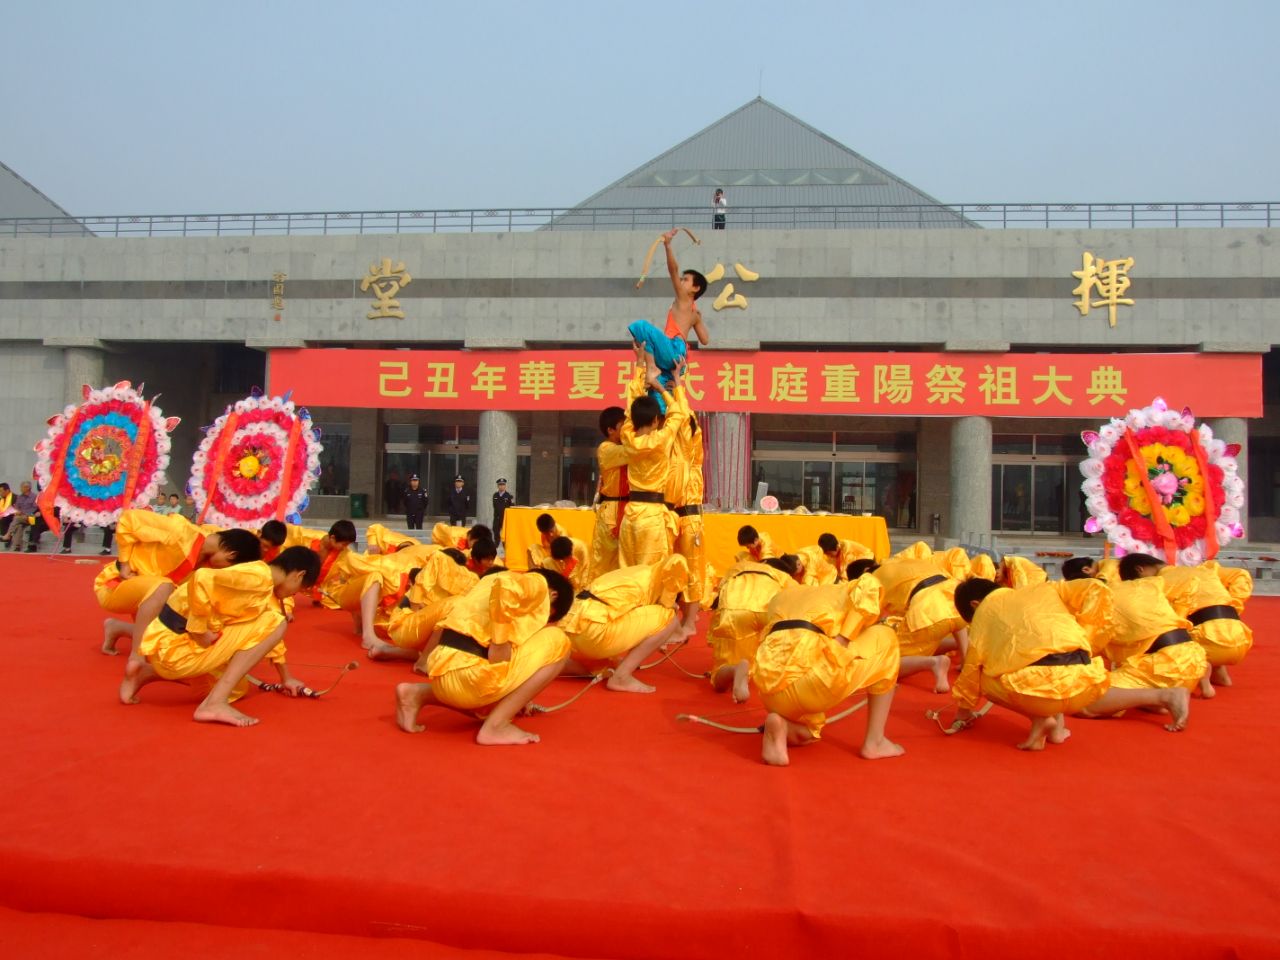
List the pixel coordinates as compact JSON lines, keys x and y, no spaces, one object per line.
{"x":668,"y":347}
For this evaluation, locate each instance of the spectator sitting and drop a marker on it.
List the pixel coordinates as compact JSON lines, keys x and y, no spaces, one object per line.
{"x":24,"y":512}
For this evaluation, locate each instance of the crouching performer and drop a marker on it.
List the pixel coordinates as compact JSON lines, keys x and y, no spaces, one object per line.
{"x":220,"y":624}
{"x":1028,"y":653}
{"x":497,"y":650}
{"x":822,"y":645}
{"x":626,"y":615}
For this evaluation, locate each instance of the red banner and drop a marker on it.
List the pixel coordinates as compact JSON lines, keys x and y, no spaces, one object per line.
{"x":849,"y":384}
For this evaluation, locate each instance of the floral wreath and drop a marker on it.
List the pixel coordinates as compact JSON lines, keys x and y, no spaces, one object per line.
{"x":1158,"y":483}
{"x":256,"y":463}
{"x":102,"y":457}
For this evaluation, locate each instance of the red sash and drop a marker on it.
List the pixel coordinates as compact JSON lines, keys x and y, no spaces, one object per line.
{"x":185,"y":568}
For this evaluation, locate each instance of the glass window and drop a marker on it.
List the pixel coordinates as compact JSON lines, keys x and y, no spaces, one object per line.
{"x":892,"y":489}
{"x":578,"y":479}
{"x":808,"y":441}
{"x":1048,"y":445}
{"x":397,"y":468}
{"x":876,"y":443}
{"x":783,"y":477}
{"x":335,"y":458}
{"x":402,"y":433}
{"x":1014,"y":443}
{"x":817,"y":484}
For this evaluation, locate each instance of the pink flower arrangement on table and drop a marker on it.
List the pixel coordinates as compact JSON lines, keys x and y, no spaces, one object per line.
{"x":257,"y":462}
{"x":101,"y":457}
{"x":1157,"y":482}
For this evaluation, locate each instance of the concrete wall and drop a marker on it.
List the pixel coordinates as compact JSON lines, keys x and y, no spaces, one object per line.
{"x":31,"y":391}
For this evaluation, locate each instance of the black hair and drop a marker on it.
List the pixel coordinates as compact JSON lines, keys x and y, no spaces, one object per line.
{"x":561,"y":591}
{"x":1131,"y":564}
{"x":788,"y":563}
{"x":244,"y":545}
{"x":496,"y":568}
{"x":343,"y":531}
{"x":747,"y":535}
{"x":973,"y":589}
{"x":561,"y":548}
{"x":274,"y":532}
{"x":299,"y":558}
{"x":1073,"y":569}
{"x":699,"y":283}
{"x":545,"y":523}
{"x":828,"y":543}
{"x":610,"y":417}
{"x":456,"y":555}
{"x":645,"y":412}
{"x":484,"y":550}
{"x":479,"y":532}
{"x":858,"y":567}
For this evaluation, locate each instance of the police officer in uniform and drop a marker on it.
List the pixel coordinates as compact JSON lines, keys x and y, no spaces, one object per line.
{"x":415,"y":503}
{"x":459,"y":503}
{"x":501,"y":500}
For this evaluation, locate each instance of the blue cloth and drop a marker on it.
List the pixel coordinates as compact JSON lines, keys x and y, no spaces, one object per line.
{"x":666,"y":351}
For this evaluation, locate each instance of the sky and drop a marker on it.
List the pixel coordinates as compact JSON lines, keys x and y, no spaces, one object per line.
{"x":189,"y":106}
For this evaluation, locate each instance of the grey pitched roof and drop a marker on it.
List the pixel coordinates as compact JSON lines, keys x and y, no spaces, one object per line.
{"x":19,"y":199}
{"x":764,"y":157}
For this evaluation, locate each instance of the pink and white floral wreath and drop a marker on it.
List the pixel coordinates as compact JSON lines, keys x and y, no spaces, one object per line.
{"x":257,"y":462}
{"x":104,"y":456}
{"x":1158,"y":483}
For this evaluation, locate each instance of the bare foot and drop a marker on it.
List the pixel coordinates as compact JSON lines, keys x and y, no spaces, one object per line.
{"x":1177,"y":701}
{"x":881,"y":749}
{"x":137,"y":674}
{"x":773,"y":748}
{"x":1041,"y":727}
{"x":628,"y":684}
{"x":687,"y":631}
{"x":1060,"y":733}
{"x":223,"y":713}
{"x":941,"y":667}
{"x":508,"y":734}
{"x":1221,"y":678}
{"x":741,"y":691}
{"x":386,"y":651}
{"x":1206,"y":688}
{"x":407,"y":707}
{"x":109,"y":638}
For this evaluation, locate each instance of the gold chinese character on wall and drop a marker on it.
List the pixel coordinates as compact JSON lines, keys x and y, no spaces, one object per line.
{"x":386,"y":281}
{"x":277,"y":292}
{"x":1109,"y":279}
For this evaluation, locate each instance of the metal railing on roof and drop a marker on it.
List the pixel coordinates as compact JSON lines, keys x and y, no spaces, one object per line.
{"x":1058,"y":216}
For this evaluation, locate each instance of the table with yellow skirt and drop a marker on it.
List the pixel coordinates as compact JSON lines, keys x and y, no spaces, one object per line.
{"x":789,"y":531}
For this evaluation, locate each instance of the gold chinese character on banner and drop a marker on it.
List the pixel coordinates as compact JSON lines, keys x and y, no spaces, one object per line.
{"x":892,"y":381}
{"x":790,"y":384}
{"x":1106,"y":383}
{"x":692,"y":377}
{"x":1051,"y":381}
{"x":386,"y":281}
{"x":440,"y":380}
{"x":586,"y":380}
{"x":841,"y":383}
{"x":945,"y":383}
{"x":626,"y":370}
{"x":537,"y":379}
{"x":737,"y":382}
{"x":999,"y":385}
{"x":393,"y":370}
{"x":1108,"y":278}
{"x":489,"y":379}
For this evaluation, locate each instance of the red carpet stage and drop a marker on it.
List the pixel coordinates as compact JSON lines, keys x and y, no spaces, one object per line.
{"x":326,"y":832}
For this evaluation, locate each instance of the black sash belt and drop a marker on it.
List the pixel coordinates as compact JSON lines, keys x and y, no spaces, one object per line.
{"x":1220,"y":612}
{"x":605,"y":498}
{"x":797,"y":625}
{"x":1070,"y":659}
{"x":460,"y":641}
{"x":924,"y":584}
{"x":588,"y":595}
{"x":1168,"y":639}
{"x":690,"y":510}
{"x":646,"y":496}
{"x":172,"y":619}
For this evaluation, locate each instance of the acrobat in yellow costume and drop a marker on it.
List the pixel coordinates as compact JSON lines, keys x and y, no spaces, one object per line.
{"x":238,"y":603}
{"x":158,"y":548}
{"x":1151,"y":645}
{"x":611,"y":459}
{"x":802,"y":671}
{"x":577,"y":567}
{"x":621,"y":608}
{"x":1211,"y":598}
{"x":439,"y":583}
{"x":741,"y":612}
{"x":648,"y":527}
{"x":503,"y":608}
{"x":920,"y":587}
